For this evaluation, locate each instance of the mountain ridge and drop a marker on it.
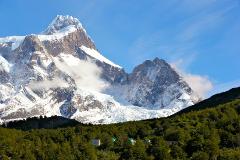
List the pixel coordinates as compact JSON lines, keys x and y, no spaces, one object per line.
{"x":60,"y":72}
{"x":36,"y":122}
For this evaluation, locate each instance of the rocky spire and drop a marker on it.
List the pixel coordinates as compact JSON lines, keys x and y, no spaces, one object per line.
{"x":61,"y":22}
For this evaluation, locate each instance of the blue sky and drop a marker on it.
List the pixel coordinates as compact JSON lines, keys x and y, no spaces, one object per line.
{"x":201,"y":37}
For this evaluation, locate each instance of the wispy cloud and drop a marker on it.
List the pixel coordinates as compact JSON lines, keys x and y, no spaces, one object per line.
{"x":200,"y":84}
{"x":203,"y":22}
{"x":157,"y":45}
{"x":48,"y":84}
{"x":184,"y":34}
{"x":86,"y":75}
{"x":196,"y":5}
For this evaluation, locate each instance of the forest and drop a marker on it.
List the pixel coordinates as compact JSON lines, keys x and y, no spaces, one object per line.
{"x":202,"y":133}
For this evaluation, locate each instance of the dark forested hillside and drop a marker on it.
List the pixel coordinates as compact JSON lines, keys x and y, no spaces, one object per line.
{"x":212,"y":132}
{"x":41,"y":122}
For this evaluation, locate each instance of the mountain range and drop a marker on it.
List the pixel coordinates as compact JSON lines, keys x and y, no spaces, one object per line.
{"x":61,"y":72}
{"x":207,"y":105}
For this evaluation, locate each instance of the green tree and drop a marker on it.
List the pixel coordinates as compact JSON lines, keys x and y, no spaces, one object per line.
{"x":138,"y":150}
{"x":229,"y":154}
{"x":178,"y":153}
{"x":160,"y":149}
{"x":200,"y":156}
{"x":195,"y":144}
{"x":212,"y":145}
{"x":107,"y":155}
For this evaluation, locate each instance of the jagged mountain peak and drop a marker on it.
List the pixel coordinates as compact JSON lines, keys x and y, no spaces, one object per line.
{"x":153,"y":65}
{"x":155,"y":62}
{"x":41,"y":75}
{"x":159,"y":61}
{"x":154,"y":83}
{"x":61,"y":22}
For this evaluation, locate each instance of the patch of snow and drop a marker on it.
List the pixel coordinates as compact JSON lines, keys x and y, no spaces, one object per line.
{"x":15,"y":40}
{"x":118,"y":112}
{"x":40,"y":71}
{"x":4,"y":65}
{"x":152,"y":73}
{"x":58,"y":35}
{"x":6,"y":91}
{"x":95,"y":54}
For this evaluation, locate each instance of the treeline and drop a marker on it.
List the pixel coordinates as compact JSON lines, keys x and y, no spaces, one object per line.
{"x":212,"y":133}
{"x":41,"y":122}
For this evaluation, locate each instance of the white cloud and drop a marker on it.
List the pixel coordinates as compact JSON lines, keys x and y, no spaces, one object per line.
{"x":86,"y":75}
{"x":48,"y":84}
{"x":201,"y":85}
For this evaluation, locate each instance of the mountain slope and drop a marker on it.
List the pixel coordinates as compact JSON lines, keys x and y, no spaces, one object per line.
{"x":216,"y":101}
{"x":60,"y":72}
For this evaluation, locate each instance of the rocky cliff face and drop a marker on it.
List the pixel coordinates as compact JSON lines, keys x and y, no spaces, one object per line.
{"x":156,"y":84}
{"x":45,"y":75}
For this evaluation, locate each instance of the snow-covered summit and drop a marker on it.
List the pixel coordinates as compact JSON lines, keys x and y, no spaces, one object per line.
{"x":59,"y":28}
{"x":61,"y":72}
{"x":61,"y":22}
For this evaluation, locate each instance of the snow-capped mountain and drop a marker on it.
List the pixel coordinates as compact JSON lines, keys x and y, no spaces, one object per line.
{"x":60,"y":72}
